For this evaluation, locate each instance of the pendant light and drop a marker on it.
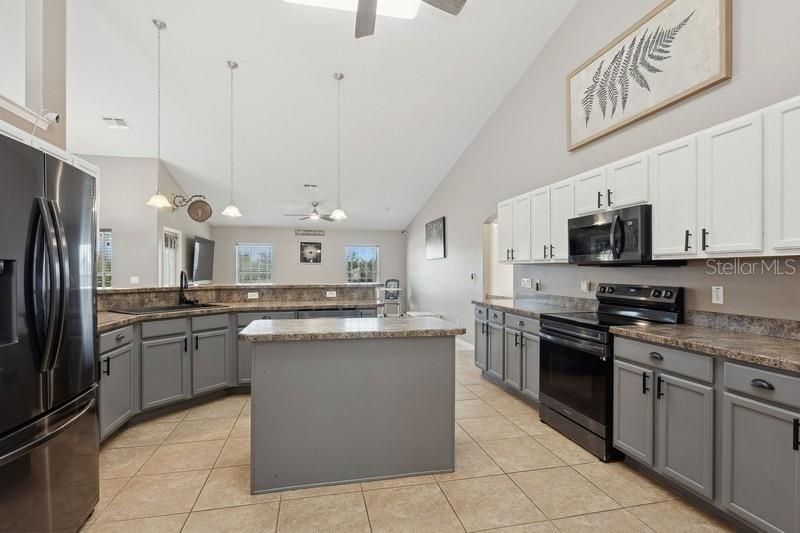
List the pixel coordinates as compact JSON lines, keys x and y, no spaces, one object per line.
{"x":338,"y":213}
{"x":158,"y":200}
{"x":231,"y":210}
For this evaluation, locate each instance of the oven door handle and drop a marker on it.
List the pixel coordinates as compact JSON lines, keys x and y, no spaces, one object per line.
{"x":576,"y":344}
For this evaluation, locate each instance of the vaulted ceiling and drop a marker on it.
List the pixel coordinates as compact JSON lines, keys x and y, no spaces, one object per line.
{"x":414,"y":96}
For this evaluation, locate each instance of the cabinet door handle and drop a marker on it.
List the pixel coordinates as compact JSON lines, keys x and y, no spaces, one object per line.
{"x":599,"y":199}
{"x":762,"y":384}
{"x":185,"y":344}
{"x":508,"y":254}
{"x":686,"y":236}
{"x":659,"y":384}
{"x":551,"y":251}
{"x":705,"y":239}
{"x":645,"y":390}
{"x":197,"y":342}
{"x":107,"y":371}
{"x":512,"y":254}
{"x":608,"y":197}
{"x":516,"y":339}
{"x":544,"y":251}
{"x":119,"y":336}
{"x":796,"y":435}
{"x":657,"y":356}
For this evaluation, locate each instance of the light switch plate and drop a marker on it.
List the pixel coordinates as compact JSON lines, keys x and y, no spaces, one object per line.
{"x":134,"y":280}
{"x":252,"y":296}
{"x":586,"y":286}
{"x":330,"y":294}
{"x":526,"y":283}
{"x":717,"y":295}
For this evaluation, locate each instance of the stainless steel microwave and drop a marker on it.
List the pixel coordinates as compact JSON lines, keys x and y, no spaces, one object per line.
{"x":619,"y":237}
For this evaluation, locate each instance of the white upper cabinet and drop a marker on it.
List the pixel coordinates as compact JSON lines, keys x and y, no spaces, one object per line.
{"x":628,"y":182}
{"x":674,"y":173}
{"x":732,"y":178}
{"x":562,"y":202}
{"x":521,"y":228}
{"x":782,"y":168}
{"x":540,"y":224}
{"x":590,"y":192}
{"x":505,"y":221}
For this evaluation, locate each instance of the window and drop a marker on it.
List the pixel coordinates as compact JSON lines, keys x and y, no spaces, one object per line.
{"x":362,"y":264}
{"x":171,"y":263}
{"x":105,"y":252}
{"x":253,"y":263}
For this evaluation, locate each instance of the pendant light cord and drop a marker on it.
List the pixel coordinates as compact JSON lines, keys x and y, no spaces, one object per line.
{"x":231,"y":140}
{"x":338,"y":140}
{"x":158,"y":93}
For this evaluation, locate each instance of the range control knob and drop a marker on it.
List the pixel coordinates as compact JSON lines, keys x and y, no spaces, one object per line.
{"x":656,"y":293}
{"x":668,"y":294}
{"x":610,"y":290}
{"x":602,"y":288}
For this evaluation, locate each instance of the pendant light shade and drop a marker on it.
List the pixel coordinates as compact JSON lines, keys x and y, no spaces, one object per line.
{"x":158,"y":200}
{"x":231,"y":210}
{"x":338,"y":213}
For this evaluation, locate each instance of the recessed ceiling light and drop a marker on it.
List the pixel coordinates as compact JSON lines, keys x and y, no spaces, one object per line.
{"x":116,"y":123}
{"x":402,"y":9}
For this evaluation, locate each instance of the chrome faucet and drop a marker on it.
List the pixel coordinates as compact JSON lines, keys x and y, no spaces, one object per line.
{"x":182,"y":299}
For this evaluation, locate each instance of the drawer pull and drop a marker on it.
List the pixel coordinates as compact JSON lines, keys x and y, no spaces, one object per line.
{"x":119,"y":337}
{"x":762,"y":384}
{"x":521,"y":323}
{"x":657,"y":356}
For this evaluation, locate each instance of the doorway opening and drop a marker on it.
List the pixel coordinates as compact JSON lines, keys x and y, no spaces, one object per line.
{"x":498,"y":278}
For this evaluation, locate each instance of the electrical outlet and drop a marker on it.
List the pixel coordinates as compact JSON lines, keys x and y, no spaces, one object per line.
{"x":330,"y":294}
{"x":586,"y":286}
{"x":252,"y":296}
{"x":526,"y":283}
{"x":134,"y":280}
{"x":537,"y":285}
{"x":717,"y":295}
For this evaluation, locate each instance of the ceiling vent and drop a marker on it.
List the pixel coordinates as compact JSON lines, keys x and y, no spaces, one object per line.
{"x":310,"y":187}
{"x":116,"y":123}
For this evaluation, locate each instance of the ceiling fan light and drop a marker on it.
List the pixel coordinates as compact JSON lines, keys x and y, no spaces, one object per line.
{"x":231,"y":211}
{"x":158,"y":200}
{"x":339,"y":214}
{"x":314,"y":216}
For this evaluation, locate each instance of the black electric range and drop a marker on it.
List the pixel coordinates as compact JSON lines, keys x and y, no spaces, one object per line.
{"x":577,"y":359}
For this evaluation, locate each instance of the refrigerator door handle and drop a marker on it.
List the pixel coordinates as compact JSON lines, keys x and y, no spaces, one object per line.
{"x":51,"y":432}
{"x":54,"y":286}
{"x":64,"y":281}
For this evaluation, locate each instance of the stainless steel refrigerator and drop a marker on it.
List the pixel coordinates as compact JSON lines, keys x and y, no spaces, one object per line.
{"x":49,"y":435}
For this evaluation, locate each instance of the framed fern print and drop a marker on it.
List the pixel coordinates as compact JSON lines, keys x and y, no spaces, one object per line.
{"x":679,"y":49}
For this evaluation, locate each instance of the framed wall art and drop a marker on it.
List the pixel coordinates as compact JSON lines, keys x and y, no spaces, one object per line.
{"x":310,"y":253}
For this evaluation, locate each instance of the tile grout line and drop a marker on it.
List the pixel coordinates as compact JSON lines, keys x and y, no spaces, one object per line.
{"x":366,"y":509}
{"x":450,"y":504}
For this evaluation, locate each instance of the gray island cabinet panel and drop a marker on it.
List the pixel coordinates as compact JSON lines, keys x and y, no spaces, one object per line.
{"x":244,"y":350}
{"x":761,"y":464}
{"x":210,"y":361}
{"x":165,"y":371}
{"x":685,"y":433}
{"x":633,"y":411}
{"x":513,"y":358}
{"x":495,"y":364}
{"x":116,"y":389}
{"x":530,"y":366}
{"x":481,"y":344}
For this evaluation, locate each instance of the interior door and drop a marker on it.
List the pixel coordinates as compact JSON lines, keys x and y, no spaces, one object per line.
{"x":505,"y":221}
{"x":628,"y":182}
{"x":590,"y":192}
{"x":521,"y":228}
{"x":562,"y":204}
{"x":73,"y":192}
{"x":21,"y":357}
{"x":675,"y":199}
{"x":540,"y":230}
{"x":731,"y":170}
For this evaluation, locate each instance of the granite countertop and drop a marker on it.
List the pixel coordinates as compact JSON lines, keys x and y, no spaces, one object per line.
{"x":347,"y":328}
{"x":775,"y":352}
{"x":109,"y":320}
{"x":256,"y":286}
{"x":527,"y":307}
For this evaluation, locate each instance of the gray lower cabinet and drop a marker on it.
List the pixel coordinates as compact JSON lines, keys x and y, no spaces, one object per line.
{"x":116,"y":389}
{"x":685,"y":432}
{"x":530,"y":366}
{"x":633,"y":411}
{"x":210,"y":361}
{"x":494,"y":356}
{"x":165,"y":371}
{"x":481,"y":344}
{"x":244,"y":360}
{"x":513,"y":358}
{"x":761,"y":464}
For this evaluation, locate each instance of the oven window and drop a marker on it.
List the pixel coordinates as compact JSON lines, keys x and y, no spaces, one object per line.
{"x":576,"y":379}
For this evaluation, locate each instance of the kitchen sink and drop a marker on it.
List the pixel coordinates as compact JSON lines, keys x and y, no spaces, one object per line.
{"x":163,"y":308}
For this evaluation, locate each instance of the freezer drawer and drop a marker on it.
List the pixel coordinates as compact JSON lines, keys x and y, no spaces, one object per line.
{"x":49,"y":470}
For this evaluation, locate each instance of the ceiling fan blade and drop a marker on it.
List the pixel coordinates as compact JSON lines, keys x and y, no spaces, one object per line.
{"x":296,"y":215}
{"x":327,"y":218}
{"x":453,"y":7}
{"x":303,"y":218}
{"x":365,"y":18}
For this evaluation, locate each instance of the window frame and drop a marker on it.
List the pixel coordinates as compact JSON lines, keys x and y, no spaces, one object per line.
{"x":179,"y":263}
{"x":377,"y":263}
{"x":271,"y":262}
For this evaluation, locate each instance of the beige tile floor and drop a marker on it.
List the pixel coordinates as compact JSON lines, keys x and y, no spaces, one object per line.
{"x":188,"y":471}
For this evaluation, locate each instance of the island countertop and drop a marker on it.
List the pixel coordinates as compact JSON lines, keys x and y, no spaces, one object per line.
{"x":347,"y":328}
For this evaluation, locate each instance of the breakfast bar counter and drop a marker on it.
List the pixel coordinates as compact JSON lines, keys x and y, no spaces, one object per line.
{"x":350,"y":399}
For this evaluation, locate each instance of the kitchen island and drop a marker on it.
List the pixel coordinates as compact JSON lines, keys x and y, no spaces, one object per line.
{"x":347,"y":400}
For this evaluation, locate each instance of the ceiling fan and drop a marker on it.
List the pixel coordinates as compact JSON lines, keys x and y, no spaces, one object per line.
{"x":314,"y":214}
{"x":368,"y":9}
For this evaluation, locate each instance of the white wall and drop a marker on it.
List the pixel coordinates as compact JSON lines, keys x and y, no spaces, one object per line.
{"x":12,"y":50}
{"x":286,"y":253}
{"x":523,"y":145}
